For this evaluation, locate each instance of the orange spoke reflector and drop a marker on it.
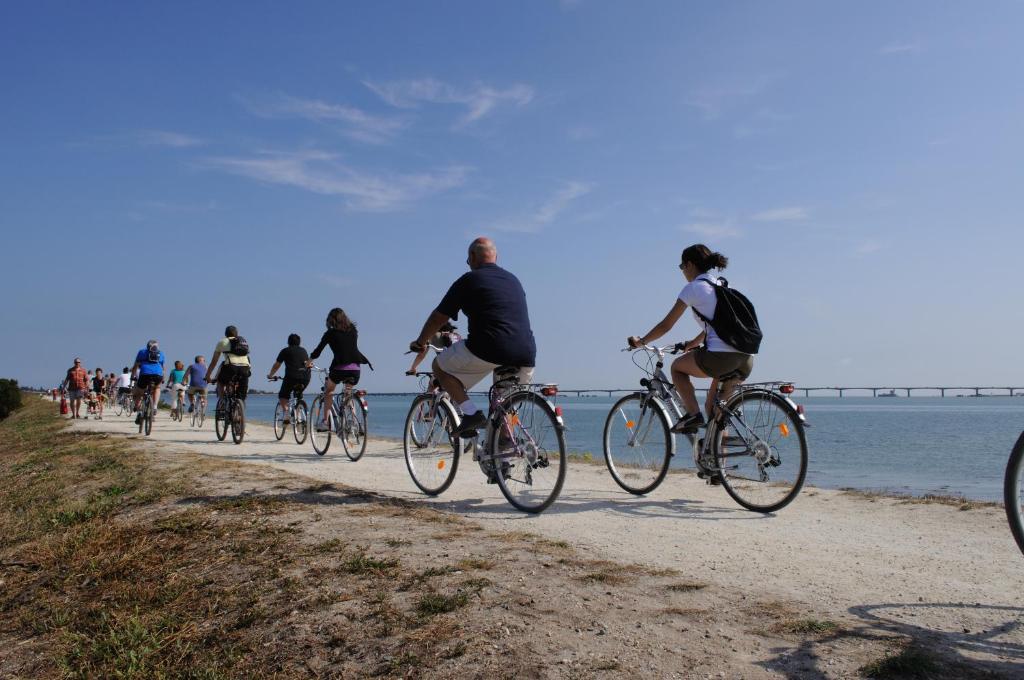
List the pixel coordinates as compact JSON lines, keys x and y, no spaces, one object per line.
{"x":631,"y":424}
{"x":784,"y":429}
{"x":513,"y":419}
{"x":440,"y":465}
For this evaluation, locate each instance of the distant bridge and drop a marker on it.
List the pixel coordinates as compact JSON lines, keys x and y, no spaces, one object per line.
{"x":840,"y":391}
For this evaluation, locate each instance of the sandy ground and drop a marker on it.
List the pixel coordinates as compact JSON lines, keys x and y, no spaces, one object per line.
{"x":952,"y":578}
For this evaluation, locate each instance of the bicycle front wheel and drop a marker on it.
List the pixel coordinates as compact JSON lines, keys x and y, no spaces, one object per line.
{"x":528,"y":449}
{"x":237,"y":421}
{"x":220,"y":419}
{"x":1013,"y":486}
{"x":431,"y":454}
{"x":353,"y":428}
{"x":637,"y":443}
{"x":279,"y":425}
{"x":299,"y":424}
{"x":321,"y":439}
{"x":119,"y":407}
{"x":761,"y":452}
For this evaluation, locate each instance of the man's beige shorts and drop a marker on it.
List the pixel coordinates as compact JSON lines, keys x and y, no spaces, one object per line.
{"x":459,"y":362}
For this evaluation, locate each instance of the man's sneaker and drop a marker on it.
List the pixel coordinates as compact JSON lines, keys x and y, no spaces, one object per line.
{"x":321,"y":426}
{"x":470,"y":424}
{"x":689,"y":424}
{"x":713,"y":478}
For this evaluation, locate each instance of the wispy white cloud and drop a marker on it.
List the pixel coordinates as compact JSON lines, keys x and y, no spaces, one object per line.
{"x":900,"y":48}
{"x":548,"y":211}
{"x":793,"y":213}
{"x":478,"y":100}
{"x":712,"y":229}
{"x":353,"y":122}
{"x":714,"y":98}
{"x":176,"y":140}
{"x":322,"y":173}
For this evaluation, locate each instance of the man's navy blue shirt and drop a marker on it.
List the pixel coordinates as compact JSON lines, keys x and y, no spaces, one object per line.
{"x":499,"y":324}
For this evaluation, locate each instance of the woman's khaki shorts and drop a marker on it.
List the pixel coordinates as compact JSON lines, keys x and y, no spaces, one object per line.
{"x":717,"y":364}
{"x":459,"y":362}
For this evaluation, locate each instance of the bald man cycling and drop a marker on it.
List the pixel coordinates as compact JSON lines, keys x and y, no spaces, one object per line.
{"x":499,"y":334}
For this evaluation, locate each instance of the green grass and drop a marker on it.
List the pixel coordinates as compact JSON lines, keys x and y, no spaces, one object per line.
{"x":431,"y":604}
{"x":364,"y":564}
{"x":808,"y":627}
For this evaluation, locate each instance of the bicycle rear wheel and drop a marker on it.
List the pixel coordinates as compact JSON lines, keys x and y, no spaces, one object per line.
{"x":528,"y":449}
{"x":300,"y":427}
{"x":637,"y":443}
{"x":279,"y":425}
{"x":220,"y":418}
{"x":119,"y":407}
{"x":1013,"y":486}
{"x":321,"y":439}
{"x":761,"y":453}
{"x":431,"y":454}
{"x":237,"y":420}
{"x":353,"y":428}
{"x":201,"y":412}
{"x":147,"y":417}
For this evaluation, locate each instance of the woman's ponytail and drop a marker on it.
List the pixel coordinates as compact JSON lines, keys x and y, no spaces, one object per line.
{"x":704,"y":258}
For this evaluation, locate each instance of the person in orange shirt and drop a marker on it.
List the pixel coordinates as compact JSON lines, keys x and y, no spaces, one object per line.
{"x":77,"y":384}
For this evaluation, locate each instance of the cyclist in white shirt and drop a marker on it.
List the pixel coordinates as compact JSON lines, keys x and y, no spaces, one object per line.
{"x":715,"y":358}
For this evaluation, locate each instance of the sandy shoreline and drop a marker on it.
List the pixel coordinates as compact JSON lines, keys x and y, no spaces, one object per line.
{"x":921,"y":569}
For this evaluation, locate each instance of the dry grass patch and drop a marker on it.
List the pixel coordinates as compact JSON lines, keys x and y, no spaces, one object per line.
{"x":685,"y":586}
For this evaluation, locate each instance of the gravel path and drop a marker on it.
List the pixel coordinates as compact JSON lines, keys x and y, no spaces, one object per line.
{"x":952,"y":576}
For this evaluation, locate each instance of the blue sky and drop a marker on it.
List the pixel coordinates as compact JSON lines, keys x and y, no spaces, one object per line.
{"x":167,"y":170}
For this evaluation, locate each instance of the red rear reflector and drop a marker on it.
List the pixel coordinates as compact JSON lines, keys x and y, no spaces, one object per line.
{"x":361,"y":393}
{"x":549,"y":390}
{"x":787,"y":389}
{"x":558,"y":411}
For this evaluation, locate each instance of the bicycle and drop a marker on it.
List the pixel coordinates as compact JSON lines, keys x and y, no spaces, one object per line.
{"x":515,"y":453}
{"x":178,"y":408}
{"x":296,"y":413}
{"x":123,"y":404}
{"x":146,"y":411}
{"x":199,"y":410}
{"x":1013,"y":486}
{"x":229,"y":413}
{"x":346,"y":417}
{"x":755,"y":445}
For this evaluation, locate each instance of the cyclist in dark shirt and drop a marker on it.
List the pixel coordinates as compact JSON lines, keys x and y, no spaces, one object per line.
{"x":296,"y":371}
{"x":499,"y":330}
{"x":343,"y":339}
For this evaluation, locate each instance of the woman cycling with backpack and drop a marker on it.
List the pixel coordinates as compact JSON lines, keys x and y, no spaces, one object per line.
{"x":342,"y":336}
{"x":711,"y":356}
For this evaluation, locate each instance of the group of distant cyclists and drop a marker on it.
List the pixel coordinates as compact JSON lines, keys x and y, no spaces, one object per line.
{"x":499,"y":334}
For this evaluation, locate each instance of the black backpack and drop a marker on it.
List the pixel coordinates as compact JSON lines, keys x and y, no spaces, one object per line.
{"x":735,"y":320}
{"x":153,"y":353}
{"x":239,"y":347}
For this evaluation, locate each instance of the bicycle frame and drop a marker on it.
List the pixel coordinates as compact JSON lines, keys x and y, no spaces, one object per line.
{"x":497,"y":395}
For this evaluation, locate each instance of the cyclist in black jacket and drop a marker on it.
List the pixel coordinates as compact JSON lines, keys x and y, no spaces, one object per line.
{"x":342,"y":337}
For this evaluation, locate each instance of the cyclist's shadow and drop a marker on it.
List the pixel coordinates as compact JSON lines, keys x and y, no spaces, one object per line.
{"x":962,"y":651}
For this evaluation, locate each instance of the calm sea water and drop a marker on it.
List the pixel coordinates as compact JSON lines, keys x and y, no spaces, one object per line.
{"x":916,"y":446}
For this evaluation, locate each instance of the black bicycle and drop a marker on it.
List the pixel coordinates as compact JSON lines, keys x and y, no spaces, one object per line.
{"x":295,"y":414}
{"x":229,"y":414}
{"x":1013,"y":486}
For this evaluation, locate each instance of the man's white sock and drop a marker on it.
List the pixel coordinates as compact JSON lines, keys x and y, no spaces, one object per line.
{"x":468,"y":407}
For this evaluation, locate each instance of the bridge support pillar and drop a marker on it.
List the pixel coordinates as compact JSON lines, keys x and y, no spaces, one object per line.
{"x":874,"y":391}
{"x":840,"y":393}
{"x":977,"y":391}
{"x":942,"y":392}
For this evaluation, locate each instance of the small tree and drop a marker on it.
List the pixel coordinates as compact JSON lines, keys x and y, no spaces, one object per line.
{"x":10,"y":397}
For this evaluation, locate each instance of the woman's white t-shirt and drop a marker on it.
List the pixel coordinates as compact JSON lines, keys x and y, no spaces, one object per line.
{"x":700,"y":294}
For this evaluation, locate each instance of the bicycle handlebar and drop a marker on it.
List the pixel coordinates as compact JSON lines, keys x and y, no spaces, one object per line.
{"x":669,"y":349}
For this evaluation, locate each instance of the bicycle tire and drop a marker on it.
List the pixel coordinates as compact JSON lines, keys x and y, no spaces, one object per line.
{"x":321,"y":440}
{"x":300,"y":424}
{"x":119,"y":407}
{"x":1012,"y":492}
{"x":237,"y":421}
{"x":220,"y":419}
{"x":194,"y":416}
{"x":530,"y":453}
{"x":279,"y":426}
{"x":147,"y":418}
{"x":432,"y":468}
{"x":646,"y":471}
{"x":353,"y":428}
{"x":771,"y":414}
{"x":201,"y":410}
